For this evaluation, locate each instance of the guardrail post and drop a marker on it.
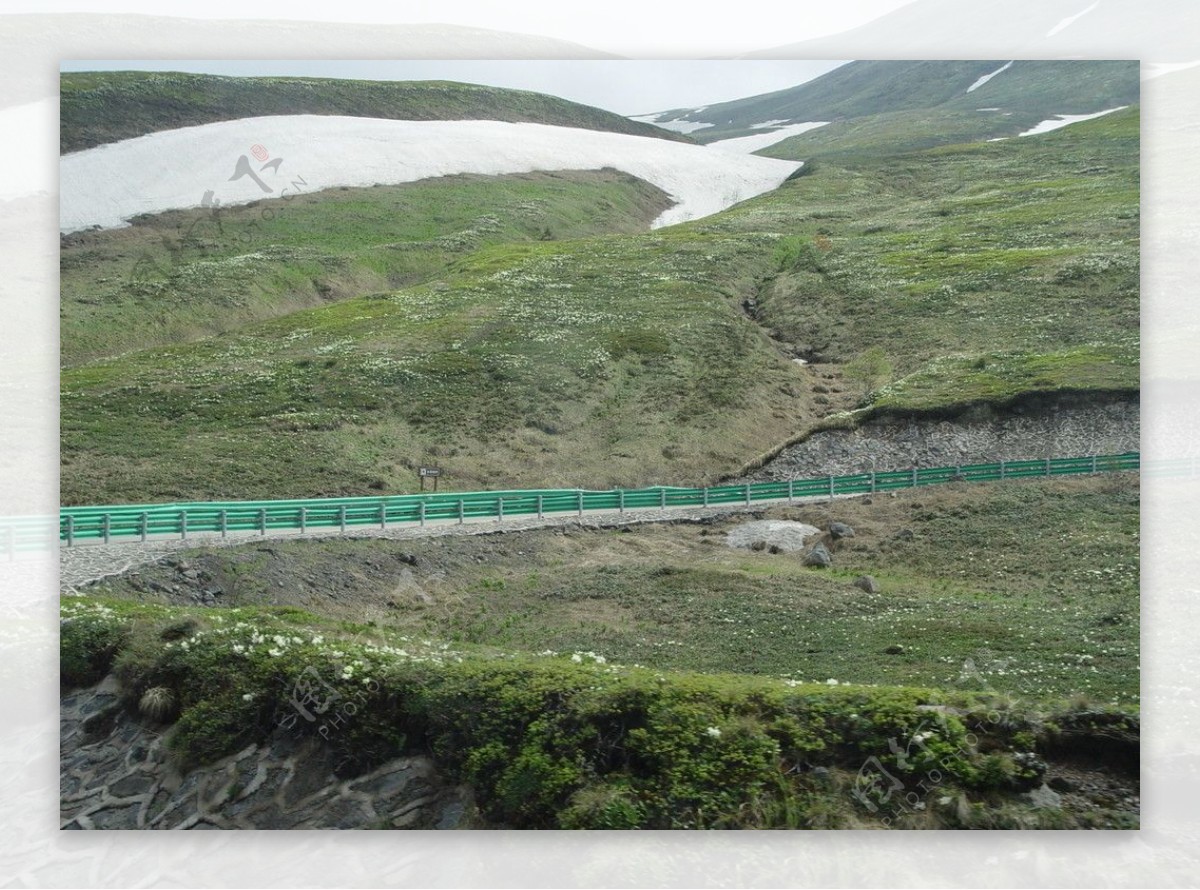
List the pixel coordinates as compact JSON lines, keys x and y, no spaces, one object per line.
{"x":621,"y":501}
{"x":303,"y":520}
{"x":500,"y":509}
{"x":791,"y":490}
{"x":706,"y":495}
{"x":422,"y":512}
{"x":1047,"y":466}
{"x":342,"y":518}
{"x":461,"y":511}
{"x":872,"y":482}
{"x":107,"y":527}
{"x":579,"y":495}
{"x":145,"y":525}
{"x":70,"y":531}
{"x":262,"y":521}
{"x":383,"y":517}
{"x":1001,"y":469}
{"x":662,"y":498}
{"x":1094,"y":463}
{"x":224,"y":523}
{"x":539,"y":506}
{"x":914,"y":477}
{"x":183,"y":524}
{"x":747,"y":494}
{"x":831,"y":487}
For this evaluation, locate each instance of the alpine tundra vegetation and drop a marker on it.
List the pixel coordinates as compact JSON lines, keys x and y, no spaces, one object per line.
{"x":950,"y":252}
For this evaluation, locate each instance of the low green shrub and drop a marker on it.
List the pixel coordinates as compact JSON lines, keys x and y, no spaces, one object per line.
{"x":545,"y":741}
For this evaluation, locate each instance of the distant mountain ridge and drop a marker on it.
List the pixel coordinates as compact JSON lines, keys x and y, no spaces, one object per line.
{"x":108,"y":106}
{"x":859,"y":89}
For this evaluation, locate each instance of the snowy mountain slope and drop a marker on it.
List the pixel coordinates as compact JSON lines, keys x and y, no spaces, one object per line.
{"x":195,"y":166}
{"x":98,"y":107}
{"x":1034,"y":89}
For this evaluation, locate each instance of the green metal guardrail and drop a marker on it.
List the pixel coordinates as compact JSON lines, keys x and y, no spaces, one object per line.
{"x":143,"y":520}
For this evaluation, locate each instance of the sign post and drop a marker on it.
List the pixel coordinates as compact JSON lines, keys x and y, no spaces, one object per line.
{"x":429,"y":473}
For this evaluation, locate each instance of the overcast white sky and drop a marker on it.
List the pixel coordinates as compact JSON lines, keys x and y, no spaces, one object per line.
{"x":627,"y":86}
{"x":623,"y":27}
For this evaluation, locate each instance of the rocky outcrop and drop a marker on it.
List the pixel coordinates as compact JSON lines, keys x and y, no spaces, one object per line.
{"x":116,"y":774}
{"x":1071,"y":429}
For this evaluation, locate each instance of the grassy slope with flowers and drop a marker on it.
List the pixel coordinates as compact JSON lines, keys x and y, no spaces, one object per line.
{"x":553,"y":741}
{"x":183,"y":275}
{"x":967,"y":573}
{"x":1004,"y":268}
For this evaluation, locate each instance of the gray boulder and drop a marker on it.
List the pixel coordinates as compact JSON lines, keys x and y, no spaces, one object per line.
{"x":867,"y":583}
{"x":818,"y":556}
{"x":839,"y":530}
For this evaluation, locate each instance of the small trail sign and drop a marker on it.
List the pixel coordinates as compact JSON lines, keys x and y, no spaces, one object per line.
{"x":429,"y":473}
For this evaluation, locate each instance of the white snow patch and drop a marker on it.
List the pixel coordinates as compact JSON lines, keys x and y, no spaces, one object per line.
{"x":766,"y":124}
{"x":679,"y":125}
{"x":27,"y":153}
{"x":977,"y":84}
{"x":748,"y":144}
{"x":682,"y":126}
{"x":987,"y":109}
{"x":1070,"y":20}
{"x":1063,"y":120}
{"x":107,"y":185}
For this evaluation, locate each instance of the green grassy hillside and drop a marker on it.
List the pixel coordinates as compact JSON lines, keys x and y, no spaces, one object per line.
{"x":965,"y":572}
{"x":597,"y":362}
{"x":181,"y":275}
{"x":1013,"y":265}
{"x":97,"y":107}
{"x":881,"y":94}
{"x":990,"y":269}
{"x":553,"y":672}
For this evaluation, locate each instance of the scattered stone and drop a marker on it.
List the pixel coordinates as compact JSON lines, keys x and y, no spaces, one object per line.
{"x":819,"y":557}
{"x":895,"y":649}
{"x":905,"y":534}
{"x":1061,"y":783}
{"x":867,"y":502}
{"x":1043,"y":797}
{"x":867,"y":583}
{"x":774,"y":548}
{"x":788,"y":536}
{"x":839,"y":530}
